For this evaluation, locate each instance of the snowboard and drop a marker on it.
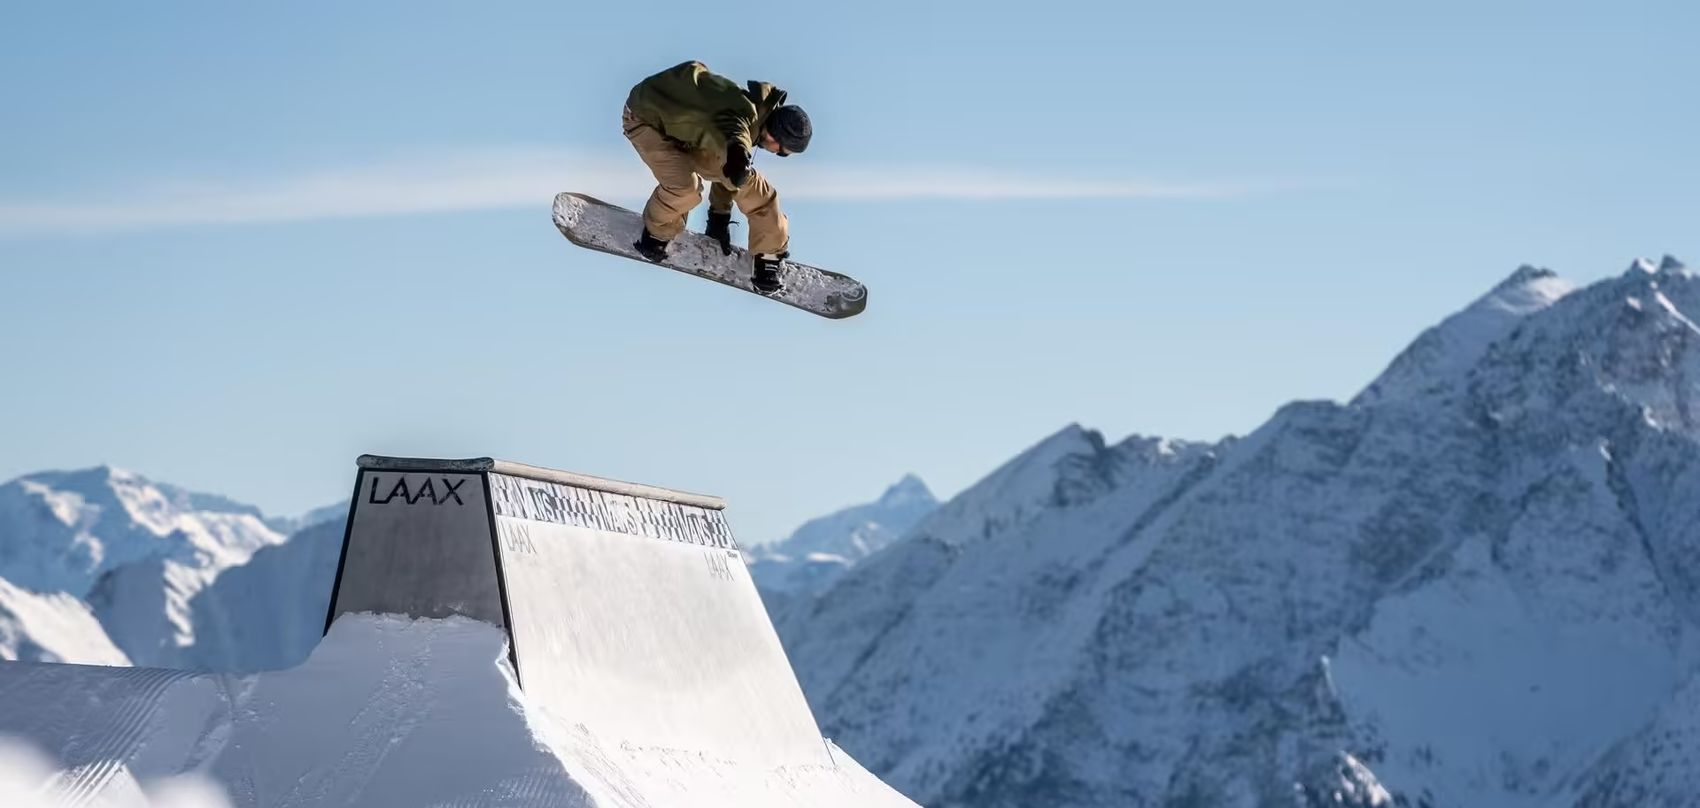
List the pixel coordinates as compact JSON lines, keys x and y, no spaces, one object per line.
{"x":597,"y":225}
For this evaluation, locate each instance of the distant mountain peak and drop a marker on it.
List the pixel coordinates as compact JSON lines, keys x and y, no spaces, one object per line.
{"x":1671,"y":264}
{"x":822,"y":549}
{"x":1074,"y":433}
{"x":1527,"y":290}
{"x":909,"y":489}
{"x":1436,"y":362}
{"x":1525,"y":274}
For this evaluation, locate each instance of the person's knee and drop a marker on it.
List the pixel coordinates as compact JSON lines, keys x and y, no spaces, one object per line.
{"x":757,"y":204}
{"x":682,"y":193}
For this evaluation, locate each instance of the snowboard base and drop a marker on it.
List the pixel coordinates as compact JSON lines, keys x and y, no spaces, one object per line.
{"x":597,"y":225}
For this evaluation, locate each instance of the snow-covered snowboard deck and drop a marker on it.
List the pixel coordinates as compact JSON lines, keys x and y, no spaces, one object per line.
{"x":597,"y":225}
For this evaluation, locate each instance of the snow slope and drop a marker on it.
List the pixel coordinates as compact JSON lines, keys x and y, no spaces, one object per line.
{"x":1656,"y":765}
{"x":52,"y":628}
{"x":1475,"y":584}
{"x":963,"y":627}
{"x":1442,"y":356}
{"x":386,"y":711}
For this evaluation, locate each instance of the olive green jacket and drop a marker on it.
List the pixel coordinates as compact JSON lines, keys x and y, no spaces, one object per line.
{"x":703,"y":111}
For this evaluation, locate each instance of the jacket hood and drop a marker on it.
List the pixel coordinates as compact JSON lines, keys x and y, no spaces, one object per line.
{"x":767,"y":98}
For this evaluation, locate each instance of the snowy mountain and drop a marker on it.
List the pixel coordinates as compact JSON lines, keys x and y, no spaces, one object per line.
{"x":1442,"y":357}
{"x":268,"y":614}
{"x":124,"y":560}
{"x":61,"y":531}
{"x":823,"y":549}
{"x":265,"y":614}
{"x":1475,"y":584}
{"x":52,"y":628}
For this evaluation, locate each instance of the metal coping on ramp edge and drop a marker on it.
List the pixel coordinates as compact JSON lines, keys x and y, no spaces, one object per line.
{"x":477,"y":465}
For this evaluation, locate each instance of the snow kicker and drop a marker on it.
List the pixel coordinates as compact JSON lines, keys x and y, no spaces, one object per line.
{"x":629,"y":609}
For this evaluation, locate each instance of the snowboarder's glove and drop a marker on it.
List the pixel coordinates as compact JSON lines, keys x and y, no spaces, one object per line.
{"x":766,"y":278}
{"x":720,"y":229}
{"x":737,"y":168}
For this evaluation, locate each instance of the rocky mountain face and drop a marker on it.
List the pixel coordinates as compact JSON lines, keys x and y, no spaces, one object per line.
{"x":1471,"y":585}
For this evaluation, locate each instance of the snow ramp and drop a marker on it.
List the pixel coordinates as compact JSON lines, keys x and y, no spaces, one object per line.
{"x":500,"y":636}
{"x":629,"y":609}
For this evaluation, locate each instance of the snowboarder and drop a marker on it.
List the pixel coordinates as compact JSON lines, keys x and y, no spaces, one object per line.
{"x":689,"y":124}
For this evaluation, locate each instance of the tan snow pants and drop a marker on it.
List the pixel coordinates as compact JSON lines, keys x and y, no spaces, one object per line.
{"x":680,"y":171}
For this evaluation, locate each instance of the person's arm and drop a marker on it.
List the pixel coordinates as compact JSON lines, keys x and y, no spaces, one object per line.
{"x":734,"y":117}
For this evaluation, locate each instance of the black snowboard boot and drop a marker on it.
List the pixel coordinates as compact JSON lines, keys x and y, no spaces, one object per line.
{"x":720,"y":229}
{"x":766,"y":277}
{"x":651,"y":247}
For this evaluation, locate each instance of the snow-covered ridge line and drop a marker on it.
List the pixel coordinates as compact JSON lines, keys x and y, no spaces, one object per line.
{"x":1471,"y":585}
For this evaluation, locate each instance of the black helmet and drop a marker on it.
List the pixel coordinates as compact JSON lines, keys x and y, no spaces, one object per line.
{"x":790,"y":126}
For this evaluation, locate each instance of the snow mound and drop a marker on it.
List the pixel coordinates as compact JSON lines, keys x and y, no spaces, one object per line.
{"x":386,"y":711}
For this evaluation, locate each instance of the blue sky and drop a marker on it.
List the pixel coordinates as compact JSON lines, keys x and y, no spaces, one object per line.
{"x":240,"y":246}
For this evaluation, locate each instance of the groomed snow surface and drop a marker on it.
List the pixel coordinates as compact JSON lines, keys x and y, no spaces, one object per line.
{"x":387,"y":711}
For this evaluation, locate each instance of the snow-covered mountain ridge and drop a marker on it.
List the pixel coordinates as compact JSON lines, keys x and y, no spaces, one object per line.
{"x":104,"y":557}
{"x":1474,"y":584}
{"x":66,"y":529}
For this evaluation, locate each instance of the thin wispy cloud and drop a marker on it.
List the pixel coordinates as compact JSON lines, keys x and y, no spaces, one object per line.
{"x":522,"y":178}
